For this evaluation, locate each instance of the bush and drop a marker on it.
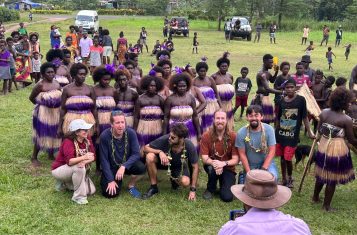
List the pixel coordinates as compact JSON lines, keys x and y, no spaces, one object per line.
{"x":8,"y":15}
{"x":122,"y":11}
{"x":52,"y":12}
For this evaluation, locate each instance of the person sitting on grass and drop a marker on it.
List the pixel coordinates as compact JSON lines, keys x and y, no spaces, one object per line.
{"x":176,"y":154}
{"x":119,"y":155}
{"x":261,"y":196}
{"x":71,"y":167}
{"x":157,"y":48}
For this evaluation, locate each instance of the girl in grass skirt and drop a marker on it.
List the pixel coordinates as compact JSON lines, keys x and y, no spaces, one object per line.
{"x":209,"y":90}
{"x":180,"y":107}
{"x":78,"y":100}
{"x":63,"y":76}
{"x":126,"y":96}
{"x":149,"y":111}
{"x":333,"y":158}
{"x":46,"y":96}
{"x":224,"y":81}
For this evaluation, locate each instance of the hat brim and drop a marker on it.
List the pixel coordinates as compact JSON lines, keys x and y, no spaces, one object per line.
{"x":281,"y":197}
{"x":86,"y":126}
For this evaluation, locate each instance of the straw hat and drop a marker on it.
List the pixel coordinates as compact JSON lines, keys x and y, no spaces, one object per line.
{"x":261,"y":191}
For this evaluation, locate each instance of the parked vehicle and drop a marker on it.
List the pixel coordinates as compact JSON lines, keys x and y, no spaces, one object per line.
{"x":88,"y":20}
{"x":179,"y":26}
{"x":241,"y":28}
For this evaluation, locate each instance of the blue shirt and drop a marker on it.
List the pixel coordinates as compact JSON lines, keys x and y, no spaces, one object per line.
{"x":54,"y":41}
{"x":255,"y":138}
{"x":105,"y":152}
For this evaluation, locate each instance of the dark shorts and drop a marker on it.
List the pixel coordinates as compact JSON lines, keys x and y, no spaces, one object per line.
{"x":175,"y":169}
{"x":241,"y":101}
{"x":287,"y":152}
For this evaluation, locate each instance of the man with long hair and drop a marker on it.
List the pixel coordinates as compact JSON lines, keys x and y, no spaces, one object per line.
{"x":219,"y":156}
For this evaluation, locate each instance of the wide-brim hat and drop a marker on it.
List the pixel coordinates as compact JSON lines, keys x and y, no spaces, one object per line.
{"x":79,"y":124}
{"x":306,"y":59}
{"x":260,"y":190}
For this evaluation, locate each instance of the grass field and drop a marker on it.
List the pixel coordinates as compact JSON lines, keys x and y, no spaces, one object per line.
{"x":30,"y":205}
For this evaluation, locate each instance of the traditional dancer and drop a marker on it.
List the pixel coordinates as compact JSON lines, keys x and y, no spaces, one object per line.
{"x":263,"y":91}
{"x":105,"y":96}
{"x":209,"y":90}
{"x":63,"y":75}
{"x":166,"y":65}
{"x":46,"y":95}
{"x":180,"y":107}
{"x":225,"y":88}
{"x":149,"y":111}
{"x":126,"y":96}
{"x":333,"y":158}
{"x":78,"y":100}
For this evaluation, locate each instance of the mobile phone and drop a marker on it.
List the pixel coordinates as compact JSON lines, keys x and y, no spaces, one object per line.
{"x":233,"y":214}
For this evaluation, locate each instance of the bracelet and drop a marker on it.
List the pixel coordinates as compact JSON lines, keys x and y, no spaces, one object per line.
{"x":192,"y":189}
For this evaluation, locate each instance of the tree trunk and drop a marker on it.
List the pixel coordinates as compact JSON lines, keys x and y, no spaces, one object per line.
{"x":280,"y":16}
{"x":219,"y":20}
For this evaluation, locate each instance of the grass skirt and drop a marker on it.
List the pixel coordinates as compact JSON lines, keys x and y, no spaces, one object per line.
{"x":150,"y":124}
{"x":105,"y":105}
{"x":226,"y":93}
{"x":183,"y":114}
{"x":45,"y":121}
{"x":268,"y":110}
{"x":78,"y":107}
{"x":206,"y":115}
{"x":127,"y":107}
{"x":333,"y":162}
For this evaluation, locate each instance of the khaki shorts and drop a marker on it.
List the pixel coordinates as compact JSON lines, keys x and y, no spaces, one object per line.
{"x":107,"y":51}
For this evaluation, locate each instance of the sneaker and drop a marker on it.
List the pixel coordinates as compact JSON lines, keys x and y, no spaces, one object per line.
{"x":59,"y":186}
{"x":290,"y":183}
{"x":81,"y":201}
{"x":207,"y":195}
{"x":134,"y":192}
{"x":151,"y":192}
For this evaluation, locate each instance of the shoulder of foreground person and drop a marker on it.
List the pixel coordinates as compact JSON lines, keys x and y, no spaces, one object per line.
{"x":259,"y":221}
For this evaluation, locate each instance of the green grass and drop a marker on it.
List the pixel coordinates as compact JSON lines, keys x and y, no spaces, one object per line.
{"x":30,"y":205}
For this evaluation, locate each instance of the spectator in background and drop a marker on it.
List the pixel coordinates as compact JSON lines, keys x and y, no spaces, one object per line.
{"x":22,"y":30}
{"x":338,"y":36}
{"x":107,"y":46}
{"x":258,"y":30}
{"x":325,"y":34}
{"x":55,"y":37}
{"x":305,"y":34}
{"x":272,"y":31}
{"x":261,"y":196}
{"x":84,"y":47}
{"x":73,"y":34}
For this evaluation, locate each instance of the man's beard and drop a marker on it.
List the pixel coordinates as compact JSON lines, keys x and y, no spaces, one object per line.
{"x":254,"y":125}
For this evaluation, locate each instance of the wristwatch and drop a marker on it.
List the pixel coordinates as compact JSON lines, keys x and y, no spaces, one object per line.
{"x":226,"y":163}
{"x":193,"y":189}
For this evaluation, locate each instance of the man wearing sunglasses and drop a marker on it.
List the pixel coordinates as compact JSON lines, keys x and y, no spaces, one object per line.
{"x":219,"y":156}
{"x":177,"y":155}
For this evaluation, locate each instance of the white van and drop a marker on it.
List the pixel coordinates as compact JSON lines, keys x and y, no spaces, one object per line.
{"x":88,"y":20}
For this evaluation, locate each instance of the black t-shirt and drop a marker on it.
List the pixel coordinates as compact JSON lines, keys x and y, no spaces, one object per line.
{"x":162,"y":143}
{"x":277,"y":86}
{"x":290,"y":117}
{"x":242,"y":86}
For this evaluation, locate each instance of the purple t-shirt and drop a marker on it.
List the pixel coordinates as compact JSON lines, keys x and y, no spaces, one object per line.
{"x":268,"y":222}
{"x":5,"y":56}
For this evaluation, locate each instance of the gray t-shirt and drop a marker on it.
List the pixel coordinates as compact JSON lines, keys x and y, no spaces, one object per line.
{"x":255,"y":158}
{"x":107,"y":41}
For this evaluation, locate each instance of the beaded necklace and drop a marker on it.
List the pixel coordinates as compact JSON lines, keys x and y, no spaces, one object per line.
{"x":77,"y":149}
{"x":263,"y":147}
{"x":183,"y":162}
{"x":125,"y":136}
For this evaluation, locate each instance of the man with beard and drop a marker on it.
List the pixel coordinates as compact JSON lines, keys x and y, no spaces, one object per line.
{"x":256,"y":144}
{"x":176,"y":154}
{"x":263,"y":91}
{"x":219,"y":156}
{"x":119,"y":156}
